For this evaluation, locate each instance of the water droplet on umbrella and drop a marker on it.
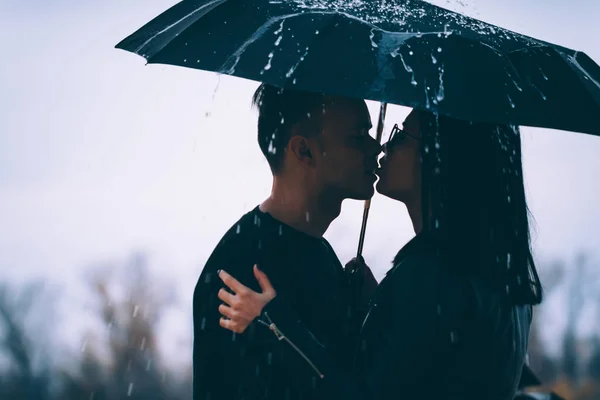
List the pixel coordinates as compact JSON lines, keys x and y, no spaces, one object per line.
{"x":410,"y":53}
{"x":439,"y":49}
{"x":272,"y":148}
{"x":130,"y":389}
{"x":510,"y":101}
{"x":316,"y":32}
{"x":278,"y":40}
{"x":433,"y":59}
{"x":409,"y":70}
{"x":278,"y":31}
{"x":185,"y":60}
{"x":282,"y":120}
{"x":372,"y":37}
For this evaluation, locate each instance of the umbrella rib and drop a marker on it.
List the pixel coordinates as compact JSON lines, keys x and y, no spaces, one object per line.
{"x":203,"y":6}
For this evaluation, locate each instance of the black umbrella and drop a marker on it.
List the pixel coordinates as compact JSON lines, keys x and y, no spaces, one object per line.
{"x":406,"y":52}
{"x":393,"y":51}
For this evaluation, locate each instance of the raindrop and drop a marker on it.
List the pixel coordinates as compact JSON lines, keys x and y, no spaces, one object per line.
{"x":426,"y":148}
{"x":409,"y":70}
{"x":197,"y":61}
{"x":92,"y":396}
{"x":508,"y":260}
{"x":257,"y":370}
{"x":437,"y":222}
{"x":185,"y":60}
{"x":148,"y":364}
{"x":307,"y":216}
{"x":439,"y":49}
{"x":452,"y":337}
{"x":294,"y":81}
{"x":269,"y":358}
{"x":314,"y":382}
{"x":83,"y":346}
{"x":233,"y":336}
{"x":129,"y":365}
{"x":130,"y":389}
{"x":507,"y":289}
{"x":268,"y":66}
{"x":278,"y":31}
{"x":433,"y":59}
{"x":440,"y":95}
{"x":308,"y":115}
{"x":510,"y":101}
{"x":518,"y":279}
{"x":238,"y":229}
{"x":280,"y":230}
{"x":272,"y":149}
{"x":316,"y":32}
{"x":439,"y":309}
{"x":278,"y":40}
{"x":410,"y":53}
{"x":372,"y":37}
{"x":143,"y":345}
{"x":508,"y":199}
{"x":282,"y":120}
{"x":136,"y":309}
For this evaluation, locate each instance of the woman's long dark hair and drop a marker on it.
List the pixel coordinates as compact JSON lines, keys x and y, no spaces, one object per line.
{"x":473,"y":186}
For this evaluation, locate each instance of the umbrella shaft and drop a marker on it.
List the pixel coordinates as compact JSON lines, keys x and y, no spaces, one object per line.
{"x":363,"y":228}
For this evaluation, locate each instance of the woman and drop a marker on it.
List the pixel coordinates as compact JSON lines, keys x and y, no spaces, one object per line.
{"x":451,"y":319}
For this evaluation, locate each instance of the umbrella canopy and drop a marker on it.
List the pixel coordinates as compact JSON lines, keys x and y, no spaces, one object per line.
{"x":406,"y":52}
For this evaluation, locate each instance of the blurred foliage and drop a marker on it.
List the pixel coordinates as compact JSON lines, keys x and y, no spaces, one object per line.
{"x":126,"y":362}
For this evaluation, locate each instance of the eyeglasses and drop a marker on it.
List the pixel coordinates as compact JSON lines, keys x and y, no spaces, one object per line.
{"x":399,"y":135}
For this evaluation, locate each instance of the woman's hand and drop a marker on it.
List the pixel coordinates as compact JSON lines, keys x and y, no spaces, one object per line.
{"x":362,"y":278}
{"x":245,"y":304}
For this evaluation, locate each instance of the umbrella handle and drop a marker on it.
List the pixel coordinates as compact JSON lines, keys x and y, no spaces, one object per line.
{"x":363,"y":228}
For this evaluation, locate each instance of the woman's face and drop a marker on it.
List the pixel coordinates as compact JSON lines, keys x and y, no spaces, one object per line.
{"x":400,"y":167}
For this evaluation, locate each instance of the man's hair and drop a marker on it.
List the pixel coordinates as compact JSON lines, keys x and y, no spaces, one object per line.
{"x":279,"y":110}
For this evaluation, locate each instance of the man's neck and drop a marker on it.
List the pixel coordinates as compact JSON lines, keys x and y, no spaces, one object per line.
{"x":309,"y":215}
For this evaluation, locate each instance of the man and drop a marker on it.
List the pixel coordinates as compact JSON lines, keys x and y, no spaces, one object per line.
{"x":320,"y":153}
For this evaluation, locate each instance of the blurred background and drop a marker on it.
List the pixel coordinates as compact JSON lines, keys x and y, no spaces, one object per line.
{"x":118,"y":179}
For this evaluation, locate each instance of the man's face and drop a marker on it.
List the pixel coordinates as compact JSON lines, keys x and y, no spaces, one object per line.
{"x":347,"y":159}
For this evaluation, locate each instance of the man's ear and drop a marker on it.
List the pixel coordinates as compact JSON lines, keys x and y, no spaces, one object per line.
{"x":299,"y":148}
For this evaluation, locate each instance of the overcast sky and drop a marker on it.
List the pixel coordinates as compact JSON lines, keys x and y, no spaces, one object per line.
{"x":101,"y":155}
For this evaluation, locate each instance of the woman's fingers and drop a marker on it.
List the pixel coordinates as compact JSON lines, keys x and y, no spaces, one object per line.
{"x":232,"y":283}
{"x":226,"y":296}
{"x":234,"y":315}
{"x":232,"y":325}
{"x":263,"y":281}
